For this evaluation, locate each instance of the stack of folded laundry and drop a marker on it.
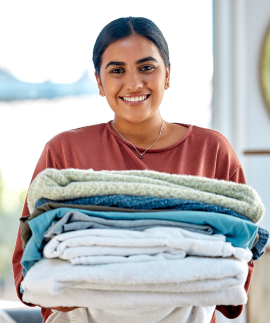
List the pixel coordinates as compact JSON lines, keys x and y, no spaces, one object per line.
{"x":139,"y":243}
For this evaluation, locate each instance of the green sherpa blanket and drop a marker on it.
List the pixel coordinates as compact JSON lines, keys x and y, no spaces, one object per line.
{"x":76,"y":183}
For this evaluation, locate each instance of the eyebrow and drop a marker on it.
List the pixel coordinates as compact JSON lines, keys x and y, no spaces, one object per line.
{"x":140,"y":61}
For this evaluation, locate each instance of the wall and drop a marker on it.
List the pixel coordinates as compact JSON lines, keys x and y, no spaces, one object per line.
{"x":238,"y":108}
{"x":258,"y":118}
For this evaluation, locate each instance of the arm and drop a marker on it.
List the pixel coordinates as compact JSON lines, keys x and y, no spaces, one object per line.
{"x":232,"y":312}
{"x":46,"y":160}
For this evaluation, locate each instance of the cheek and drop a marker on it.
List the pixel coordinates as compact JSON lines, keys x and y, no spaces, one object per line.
{"x":112,"y":87}
{"x":157,"y":86}
{"x":157,"y":81}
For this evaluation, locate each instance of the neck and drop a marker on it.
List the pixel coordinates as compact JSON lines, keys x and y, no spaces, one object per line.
{"x":141,"y":134}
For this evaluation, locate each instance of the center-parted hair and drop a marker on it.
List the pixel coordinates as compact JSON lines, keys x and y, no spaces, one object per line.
{"x":125,"y":27}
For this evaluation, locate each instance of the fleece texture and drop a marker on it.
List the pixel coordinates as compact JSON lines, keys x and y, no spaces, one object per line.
{"x":189,"y":314}
{"x":195,"y":281}
{"x":75,"y":183}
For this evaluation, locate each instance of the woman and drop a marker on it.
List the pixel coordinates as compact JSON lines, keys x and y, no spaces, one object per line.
{"x":132,"y":70}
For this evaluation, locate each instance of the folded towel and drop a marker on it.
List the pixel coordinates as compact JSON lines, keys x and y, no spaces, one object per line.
{"x":138,"y":203}
{"x":163,"y":314}
{"x":259,"y":249}
{"x":240,"y":233}
{"x":128,"y":301}
{"x":74,"y":183}
{"x":78,"y":221}
{"x":102,"y":260}
{"x":195,"y":281}
{"x":102,"y":242}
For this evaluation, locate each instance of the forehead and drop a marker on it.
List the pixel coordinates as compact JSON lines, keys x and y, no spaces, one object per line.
{"x":129,"y":50}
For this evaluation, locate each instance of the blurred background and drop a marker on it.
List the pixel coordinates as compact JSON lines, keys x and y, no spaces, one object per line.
{"x":47,"y":86}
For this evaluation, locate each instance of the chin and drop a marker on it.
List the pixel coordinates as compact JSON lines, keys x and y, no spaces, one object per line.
{"x":137,"y":116}
{"x":135,"y":119}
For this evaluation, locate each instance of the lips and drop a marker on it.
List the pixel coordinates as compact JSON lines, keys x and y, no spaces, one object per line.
{"x":135,"y":99}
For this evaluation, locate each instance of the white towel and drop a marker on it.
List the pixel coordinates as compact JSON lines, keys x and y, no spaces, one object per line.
{"x":101,"y":242}
{"x":131,"y":301}
{"x":190,"y":314}
{"x":102,"y":260}
{"x":191,"y":281}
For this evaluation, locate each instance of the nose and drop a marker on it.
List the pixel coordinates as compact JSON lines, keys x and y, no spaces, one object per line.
{"x":133,"y":81}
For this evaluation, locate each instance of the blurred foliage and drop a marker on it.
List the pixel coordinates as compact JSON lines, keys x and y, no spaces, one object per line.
{"x":9,"y":224}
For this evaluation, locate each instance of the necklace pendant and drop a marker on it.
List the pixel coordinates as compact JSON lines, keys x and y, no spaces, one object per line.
{"x":141,"y":156}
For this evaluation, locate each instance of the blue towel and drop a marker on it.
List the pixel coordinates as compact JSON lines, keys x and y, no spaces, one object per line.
{"x":240,"y":233}
{"x":142,"y":203}
{"x":150,"y":203}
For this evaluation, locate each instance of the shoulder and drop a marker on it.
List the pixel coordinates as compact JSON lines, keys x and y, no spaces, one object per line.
{"x":216,"y":147}
{"x":210,"y":135}
{"x":213,"y":140}
{"x":77,"y":135}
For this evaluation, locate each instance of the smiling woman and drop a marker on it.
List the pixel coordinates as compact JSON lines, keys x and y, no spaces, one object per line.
{"x":137,"y":79}
{"x":132,"y":69}
{"x":131,"y":59}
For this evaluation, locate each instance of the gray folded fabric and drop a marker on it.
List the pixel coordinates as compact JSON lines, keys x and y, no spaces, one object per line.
{"x":74,"y":220}
{"x":26,"y":231}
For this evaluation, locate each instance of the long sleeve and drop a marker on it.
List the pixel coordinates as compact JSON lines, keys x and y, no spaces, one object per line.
{"x":46,"y":161}
{"x":232,"y":312}
{"x":202,"y":152}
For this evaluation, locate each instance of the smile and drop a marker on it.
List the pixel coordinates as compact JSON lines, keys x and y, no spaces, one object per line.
{"x":135,"y":99}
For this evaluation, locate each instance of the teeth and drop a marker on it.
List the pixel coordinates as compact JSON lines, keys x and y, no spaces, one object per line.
{"x":135,"y":99}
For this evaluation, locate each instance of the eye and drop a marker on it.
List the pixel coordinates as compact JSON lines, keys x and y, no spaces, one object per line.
{"x":117,"y":71}
{"x":147,"y":68}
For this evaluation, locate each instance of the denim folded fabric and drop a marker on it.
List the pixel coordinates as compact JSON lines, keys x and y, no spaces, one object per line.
{"x":259,"y":249}
{"x":150,"y":203}
{"x":240,"y":233}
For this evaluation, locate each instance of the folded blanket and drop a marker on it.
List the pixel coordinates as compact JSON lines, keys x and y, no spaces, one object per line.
{"x":26,"y":231}
{"x":193,"y":281}
{"x":162,"y":314}
{"x":128,"y":301}
{"x":137,"y":202}
{"x":78,"y":221}
{"x":102,"y":260}
{"x":74,"y":183}
{"x":259,"y":249}
{"x":240,"y":233}
{"x":102,"y":242}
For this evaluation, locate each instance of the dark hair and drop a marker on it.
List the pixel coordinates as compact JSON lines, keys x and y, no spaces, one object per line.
{"x":125,"y":27}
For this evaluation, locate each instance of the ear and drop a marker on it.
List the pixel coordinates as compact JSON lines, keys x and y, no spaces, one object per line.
{"x":168,"y":73}
{"x":99,"y":82}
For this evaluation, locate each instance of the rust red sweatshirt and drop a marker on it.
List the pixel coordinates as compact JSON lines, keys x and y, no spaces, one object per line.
{"x":201,"y":152}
